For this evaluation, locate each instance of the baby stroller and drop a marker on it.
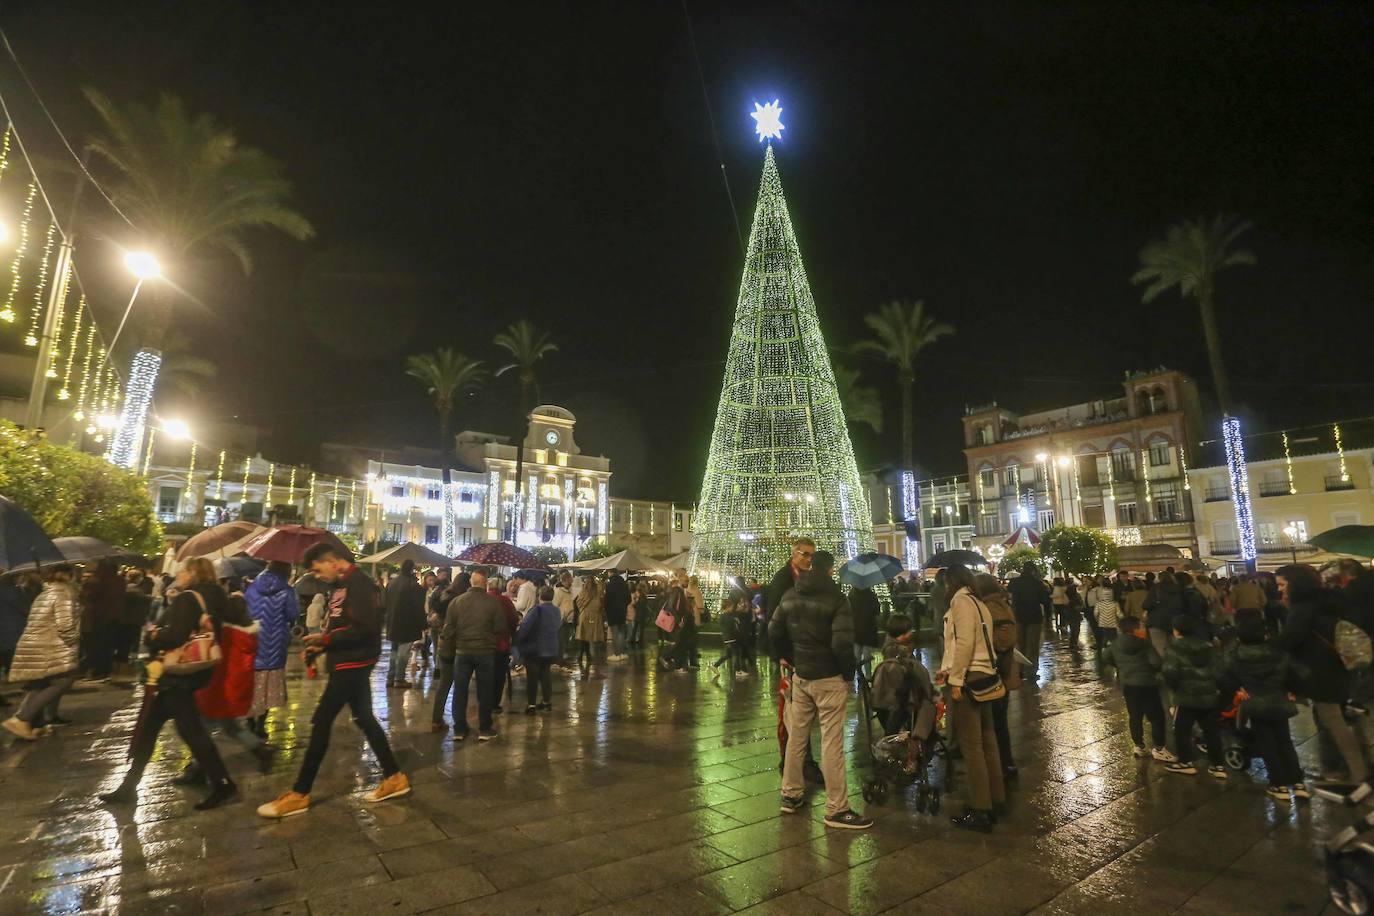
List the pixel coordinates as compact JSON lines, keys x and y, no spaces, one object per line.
{"x":1236,"y":748}
{"x":910,"y":741}
{"x":1350,"y":852}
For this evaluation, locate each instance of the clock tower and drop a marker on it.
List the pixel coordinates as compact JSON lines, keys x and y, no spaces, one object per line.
{"x":551,"y":428}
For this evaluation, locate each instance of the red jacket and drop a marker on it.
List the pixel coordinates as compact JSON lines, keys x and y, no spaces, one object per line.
{"x":229,"y":695}
{"x":512,"y":620}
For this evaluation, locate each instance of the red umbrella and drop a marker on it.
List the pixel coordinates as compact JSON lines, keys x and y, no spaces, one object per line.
{"x":500,"y":554}
{"x":288,"y":543}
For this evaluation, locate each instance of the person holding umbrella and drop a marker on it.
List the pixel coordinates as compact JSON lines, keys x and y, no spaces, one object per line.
{"x":199,"y":596}
{"x":352,"y":643}
{"x":863,"y":573}
{"x":272,"y":602}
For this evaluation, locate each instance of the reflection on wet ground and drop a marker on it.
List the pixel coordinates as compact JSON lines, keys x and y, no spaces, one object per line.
{"x":644,"y":793}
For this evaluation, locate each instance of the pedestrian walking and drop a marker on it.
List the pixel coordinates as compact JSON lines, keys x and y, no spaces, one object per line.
{"x":969,"y":669}
{"x":200,"y":601}
{"x":352,"y":643}
{"x":405,"y":622}
{"x":538,"y":642}
{"x":272,"y":602}
{"x":1030,"y":602}
{"x":46,"y":654}
{"x":1107,"y":611}
{"x":812,"y":631}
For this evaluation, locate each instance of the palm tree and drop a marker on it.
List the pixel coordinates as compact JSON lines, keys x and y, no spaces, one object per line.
{"x":527,"y":345}
{"x":189,"y":189}
{"x":182,"y":371}
{"x":902,"y":330}
{"x":445,"y":374}
{"x":861,"y":403}
{"x":1189,"y":256}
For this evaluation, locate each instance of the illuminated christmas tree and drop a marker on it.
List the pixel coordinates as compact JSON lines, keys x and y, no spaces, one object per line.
{"x":781,"y":464}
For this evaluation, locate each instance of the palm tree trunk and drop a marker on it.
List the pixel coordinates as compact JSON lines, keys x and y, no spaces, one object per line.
{"x":449,"y":533}
{"x":520,"y":460}
{"x":908,"y":382}
{"x":126,"y":445}
{"x":1212,"y":335}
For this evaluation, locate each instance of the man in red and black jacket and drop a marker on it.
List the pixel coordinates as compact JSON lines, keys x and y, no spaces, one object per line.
{"x":352,"y":641}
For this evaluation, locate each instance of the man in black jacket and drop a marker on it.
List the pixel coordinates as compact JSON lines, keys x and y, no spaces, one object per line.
{"x":803,"y":550}
{"x":813,"y":631}
{"x":1030,"y":602}
{"x":352,"y":641}
{"x":405,"y":621}
{"x":616,"y":601}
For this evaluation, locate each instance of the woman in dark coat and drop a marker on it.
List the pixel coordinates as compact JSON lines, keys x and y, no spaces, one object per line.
{"x":863,"y":605}
{"x":405,"y":621}
{"x":198,"y":594}
{"x":1309,"y":637}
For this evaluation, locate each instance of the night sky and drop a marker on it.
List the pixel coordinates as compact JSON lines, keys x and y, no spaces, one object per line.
{"x":1003,"y":162}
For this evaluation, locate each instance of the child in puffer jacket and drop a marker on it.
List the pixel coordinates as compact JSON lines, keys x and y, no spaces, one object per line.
{"x":1137,"y":664}
{"x":1190,"y":671}
{"x":1262,"y":677}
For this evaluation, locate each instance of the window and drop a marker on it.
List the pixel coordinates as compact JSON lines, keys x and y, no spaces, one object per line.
{"x":988,"y":524}
{"x":988,"y":478}
{"x":985,"y":434}
{"x":1123,"y":465}
{"x":1125,"y":514}
{"x":937,"y":544}
{"x":465,"y":535}
{"x":1295,"y":530}
{"x":1166,"y":509}
{"x":1159,"y":455}
{"x":433,"y":491}
{"x":168,"y":499}
{"x":393,"y":532}
{"x":678,"y":521}
{"x":431,"y":534}
{"x":1095,"y":516}
{"x":965,"y":542}
{"x":398,"y":489}
{"x":1012,"y":477}
{"x":1046,"y":519}
{"x":1267,"y":533}
{"x":466,"y":496}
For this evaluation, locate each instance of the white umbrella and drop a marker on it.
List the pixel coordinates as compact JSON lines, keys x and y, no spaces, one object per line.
{"x":678,"y":561}
{"x":418,"y":554}
{"x":628,"y":560}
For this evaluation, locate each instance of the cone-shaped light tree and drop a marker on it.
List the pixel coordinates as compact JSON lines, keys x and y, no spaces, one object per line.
{"x":781,"y":464}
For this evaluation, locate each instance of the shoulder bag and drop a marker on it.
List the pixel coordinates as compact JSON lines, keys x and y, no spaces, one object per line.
{"x":199,"y":653}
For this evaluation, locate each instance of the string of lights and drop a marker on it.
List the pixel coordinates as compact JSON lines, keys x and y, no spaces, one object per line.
{"x":7,"y":310}
{"x":64,"y":393}
{"x":59,"y":316}
{"x":80,"y":413}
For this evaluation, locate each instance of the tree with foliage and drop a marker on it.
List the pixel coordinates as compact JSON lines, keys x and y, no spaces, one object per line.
{"x":549,"y":555}
{"x":1189,"y":256}
{"x":527,"y":345}
{"x":70,"y":493}
{"x":901,"y":331}
{"x":596,"y":549}
{"x":1078,"y":550}
{"x":1022,"y":560}
{"x":445,"y":374}
{"x":189,"y":189}
{"x":861,"y":403}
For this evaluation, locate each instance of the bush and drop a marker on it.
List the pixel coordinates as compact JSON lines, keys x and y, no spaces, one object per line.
{"x":596,"y":549}
{"x":1021,"y":560}
{"x":1079,"y":551}
{"x":550,"y":556}
{"x":71,"y":493}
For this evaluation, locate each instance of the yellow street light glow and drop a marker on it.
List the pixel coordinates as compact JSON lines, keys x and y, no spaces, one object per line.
{"x":177,"y":429}
{"x":1064,"y":461}
{"x":1042,"y":456}
{"x":142,"y":265}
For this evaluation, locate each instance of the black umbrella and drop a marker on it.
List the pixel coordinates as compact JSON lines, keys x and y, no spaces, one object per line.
{"x":93,"y":550}
{"x":22,"y":540}
{"x":946,"y":558}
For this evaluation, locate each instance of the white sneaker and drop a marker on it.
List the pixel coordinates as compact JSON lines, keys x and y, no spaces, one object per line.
{"x":1140,"y":751}
{"x":1163,"y":755}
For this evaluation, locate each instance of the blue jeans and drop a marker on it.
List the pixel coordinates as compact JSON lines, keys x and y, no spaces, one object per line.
{"x":618,"y":639}
{"x":464,"y":668}
{"x":400,"y":658}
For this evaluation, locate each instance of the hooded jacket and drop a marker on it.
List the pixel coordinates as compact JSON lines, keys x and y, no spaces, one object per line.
{"x":1135,"y":659}
{"x":813,"y":629}
{"x":1309,"y":636}
{"x":49,"y":644}
{"x":405,"y":609}
{"x":1190,"y":670}
{"x":272,"y":602}
{"x":1263,"y":671}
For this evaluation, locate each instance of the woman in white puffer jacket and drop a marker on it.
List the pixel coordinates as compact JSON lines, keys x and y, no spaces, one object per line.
{"x":46,"y":657}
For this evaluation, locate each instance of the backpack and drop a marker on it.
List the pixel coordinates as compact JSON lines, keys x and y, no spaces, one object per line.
{"x":1003,"y":626}
{"x":1352,"y":645}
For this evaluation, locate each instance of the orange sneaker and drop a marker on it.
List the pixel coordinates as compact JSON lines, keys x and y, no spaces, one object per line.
{"x":394,"y":786}
{"x":286,"y":804}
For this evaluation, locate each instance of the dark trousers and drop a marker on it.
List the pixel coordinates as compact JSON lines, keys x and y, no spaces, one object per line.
{"x":100,"y":648}
{"x":1074,"y":618}
{"x":465,"y":668}
{"x":180,"y":706}
{"x":126,"y":642}
{"x":441,"y":691}
{"x":351,"y":687}
{"x":999,"y":727}
{"x":500,"y":673}
{"x":1090,"y":615}
{"x":1143,"y":703}
{"x":538,"y":675}
{"x":1271,"y":739}
{"x":1184,"y":720}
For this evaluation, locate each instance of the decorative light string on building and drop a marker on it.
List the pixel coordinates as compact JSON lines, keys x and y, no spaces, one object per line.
{"x":1145,"y":473}
{"x":7,"y":310}
{"x":1340,"y":450}
{"x":291,"y":487}
{"x":60,"y":316}
{"x":1183,"y":466}
{"x":310,"y":497}
{"x":267,"y":500}
{"x":1288,"y":464}
{"x":219,"y":476}
{"x":247,"y":467}
{"x":1240,"y":486}
{"x":190,"y":472}
{"x":64,"y":393}
{"x":85,"y":374}
{"x":139,"y":397}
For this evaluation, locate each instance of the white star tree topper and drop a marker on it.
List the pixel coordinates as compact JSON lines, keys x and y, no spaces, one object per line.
{"x":768,"y":121}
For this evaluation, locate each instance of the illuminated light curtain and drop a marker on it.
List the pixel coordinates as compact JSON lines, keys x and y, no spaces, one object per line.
{"x":134,"y":416}
{"x":36,"y":313}
{"x":1340,"y":450}
{"x":85,"y":374}
{"x":54,"y":343}
{"x":1288,"y":464}
{"x":219,"y":476}
{"x":779,"y":425}
{"x":1240,"y":487}
{"x":1145,"y":473}
{"x":191,"y":473}
{"x":7,"y":311}
{"x":64,"y":393}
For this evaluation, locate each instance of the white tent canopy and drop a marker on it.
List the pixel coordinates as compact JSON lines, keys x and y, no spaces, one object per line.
{"x":626,"y":561}
{"x":678,"y":561}
{"x":418,"y":554}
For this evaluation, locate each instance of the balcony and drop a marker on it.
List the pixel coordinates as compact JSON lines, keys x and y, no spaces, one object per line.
{"x":1275,"y":488}
{"x":1339,"y":483}
{"x":1232,"y":549}
{"x":1218,"y":495}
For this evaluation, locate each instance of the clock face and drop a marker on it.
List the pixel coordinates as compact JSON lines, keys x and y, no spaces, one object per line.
{"x":551,"y":437}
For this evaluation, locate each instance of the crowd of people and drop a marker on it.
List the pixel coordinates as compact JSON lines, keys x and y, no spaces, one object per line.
{"x":1214,"y":665}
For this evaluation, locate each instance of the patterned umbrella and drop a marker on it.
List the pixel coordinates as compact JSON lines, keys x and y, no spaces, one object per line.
{"x":870,"y":569}
{"x":288,"y":543}
{"x":497,"y":553}
{"x":211,"y":540}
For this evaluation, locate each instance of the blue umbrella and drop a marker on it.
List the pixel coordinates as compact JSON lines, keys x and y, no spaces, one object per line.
{"x":870,"y":569}
{"x":22,"y":541}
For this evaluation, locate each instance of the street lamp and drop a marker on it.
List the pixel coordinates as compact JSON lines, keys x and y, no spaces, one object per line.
{"x":1292,"y":531}
{"x":142,"y":265}
{"x":176,"y":429}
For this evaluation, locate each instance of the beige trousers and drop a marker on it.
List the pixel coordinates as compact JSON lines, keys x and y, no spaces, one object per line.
{"x":808,"y":700}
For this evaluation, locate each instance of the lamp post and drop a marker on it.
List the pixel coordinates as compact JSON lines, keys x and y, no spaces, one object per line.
{"x":1292,"y":531}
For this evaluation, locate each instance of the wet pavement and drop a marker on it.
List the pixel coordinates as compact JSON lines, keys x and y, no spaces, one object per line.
{"x":644,"y":793}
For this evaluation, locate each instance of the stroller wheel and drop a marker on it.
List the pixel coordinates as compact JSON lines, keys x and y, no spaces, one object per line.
{"x":880,"y":793}
{"x":1349,"y":897}
{"x":1236,"y":759}
{"x":868,"y":792}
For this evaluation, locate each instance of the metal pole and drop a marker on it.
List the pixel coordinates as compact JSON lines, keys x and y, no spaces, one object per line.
{"x":38,"y":390}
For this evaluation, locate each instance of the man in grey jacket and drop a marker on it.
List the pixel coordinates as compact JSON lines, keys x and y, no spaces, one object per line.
{"x":474,"y":621}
